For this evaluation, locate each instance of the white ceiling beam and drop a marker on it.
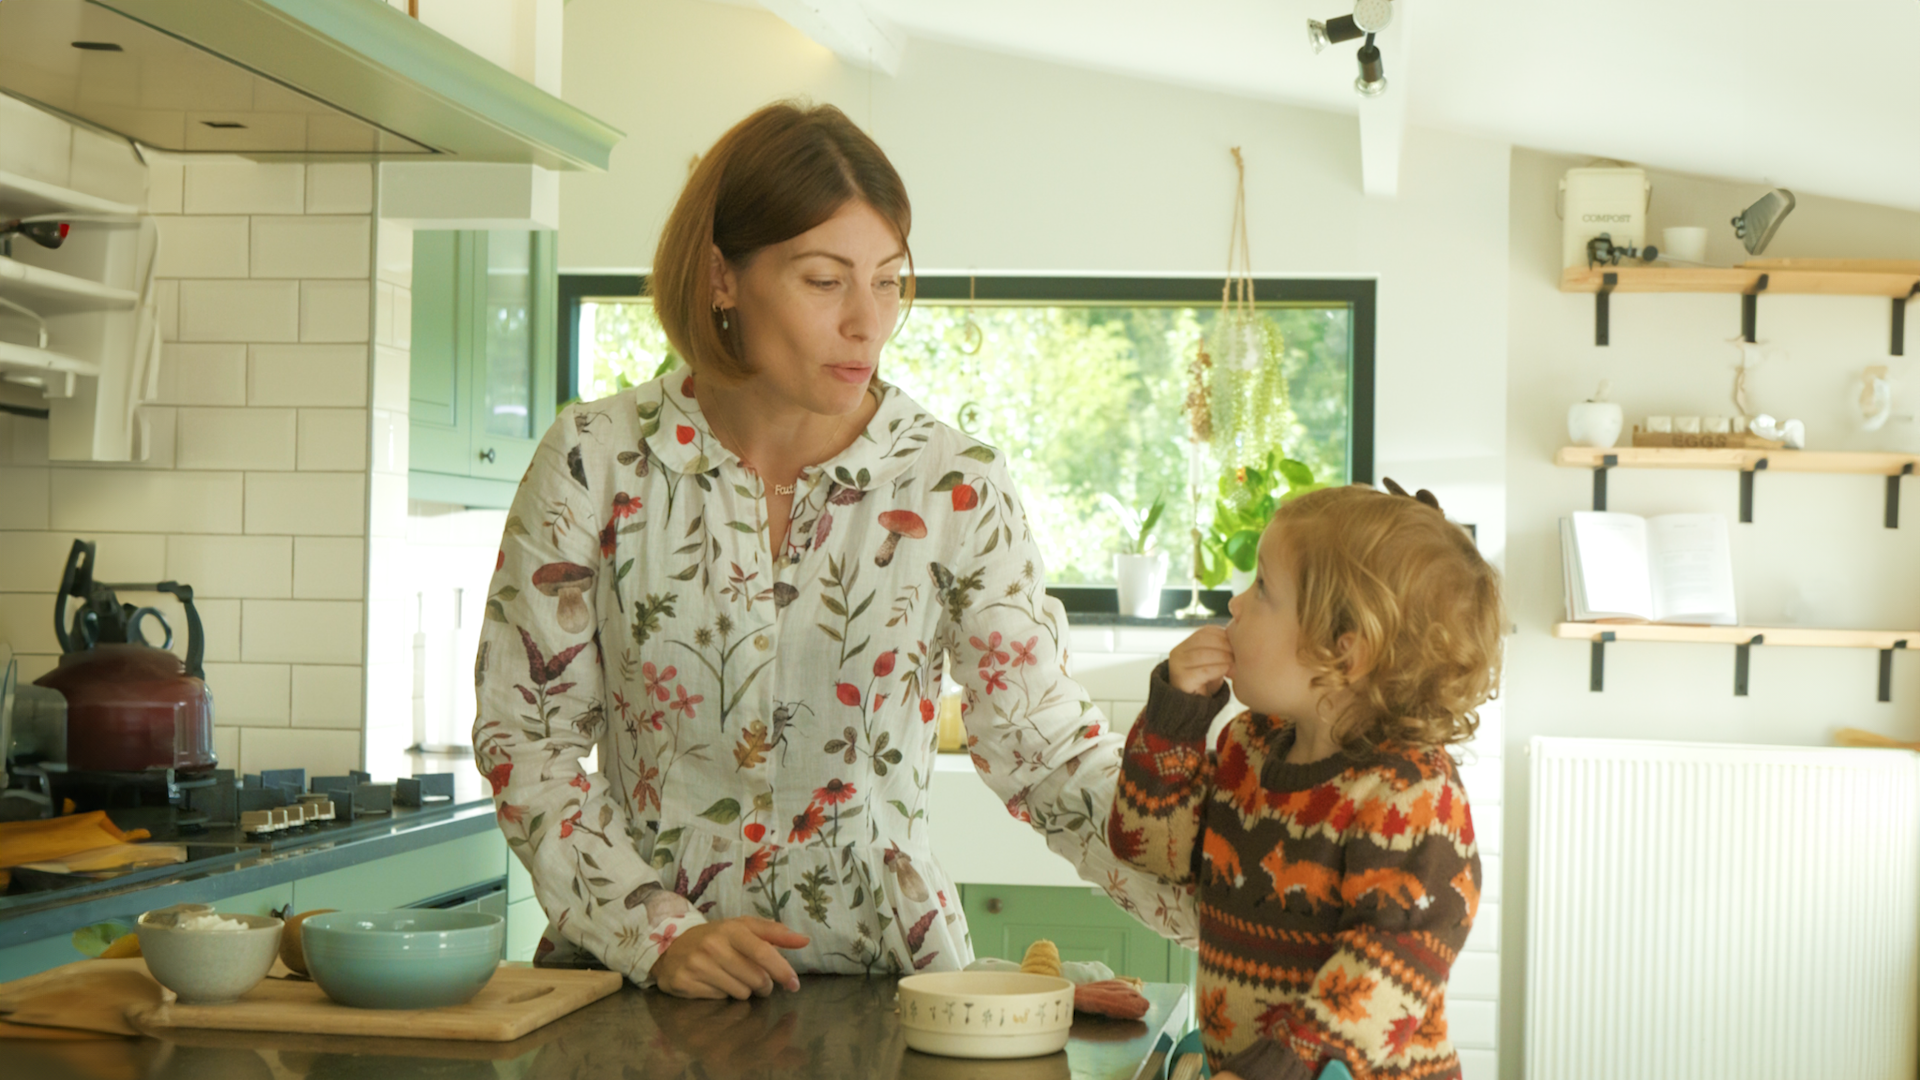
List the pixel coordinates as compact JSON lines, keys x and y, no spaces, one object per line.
{"x":854,"y":34}
{"x":1383,"y":119}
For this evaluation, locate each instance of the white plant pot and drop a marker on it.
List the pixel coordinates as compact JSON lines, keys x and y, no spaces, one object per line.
{"x":1240,"y":580}
{"x":1141,"y":578}
{"x":1594,"y":423}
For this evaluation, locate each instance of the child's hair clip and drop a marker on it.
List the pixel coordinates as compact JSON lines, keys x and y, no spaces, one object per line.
{"x":1423,"y":495}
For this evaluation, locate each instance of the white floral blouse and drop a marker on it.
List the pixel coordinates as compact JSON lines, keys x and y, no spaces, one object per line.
{"x":764,"y":724}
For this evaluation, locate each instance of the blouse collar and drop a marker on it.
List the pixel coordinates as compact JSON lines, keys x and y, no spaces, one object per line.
{"x":678,"y":435}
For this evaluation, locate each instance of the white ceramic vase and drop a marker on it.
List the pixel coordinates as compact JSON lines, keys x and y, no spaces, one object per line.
{"x":1141,"y":578}
{"x":1594,"y":423}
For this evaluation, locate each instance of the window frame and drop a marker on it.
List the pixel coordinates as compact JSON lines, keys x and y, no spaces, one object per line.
{"x":1358,"y":295}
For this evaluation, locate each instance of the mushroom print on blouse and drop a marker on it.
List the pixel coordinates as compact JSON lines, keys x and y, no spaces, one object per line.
{"x":680,"y":724}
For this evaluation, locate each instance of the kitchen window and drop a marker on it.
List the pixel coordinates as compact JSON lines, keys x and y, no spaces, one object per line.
{"x":1080,"y":381}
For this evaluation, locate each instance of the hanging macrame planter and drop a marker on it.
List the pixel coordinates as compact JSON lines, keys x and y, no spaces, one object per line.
{"x":1246,"y":385}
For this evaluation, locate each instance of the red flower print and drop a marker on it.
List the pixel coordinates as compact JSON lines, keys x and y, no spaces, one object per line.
{"x":964,"y":497}
{"x":664,"y":938}
{"x":835,"y":793}
{"x":990,"y":650}
{"x":607,"y":540}
{"x":684,"y":433}
{"x":499,"y":561}
{"x":1017,"y":806}
{"x":883,"y":664}
{"x":753,"y":831}
{"x":1093,"y":731}
{"x":620,"y":702}
{"x":657,"y":680}
{"x":512,"y":814}
{"x":497,"y":776}
{"x":942,"y":894}
{"x":996,"y":680}
{"x":757,"y":864}
{"x":806,"y":823}
{"x":848,"y":694}
{"x":543,"y":670}
{"x":685,"y":702}
{"x":654,"y":718}
{"x":624,"y":505}
{"x":926,"y":710}
{"x":566,"y":827}
{"x":1023,"y":654}
{"x":580,"y":781}
{"x":686,"y":386}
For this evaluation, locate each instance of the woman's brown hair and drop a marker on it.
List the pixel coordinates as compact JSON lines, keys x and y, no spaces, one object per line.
{"x":1425,"y":608}
{"x":784,"y":170}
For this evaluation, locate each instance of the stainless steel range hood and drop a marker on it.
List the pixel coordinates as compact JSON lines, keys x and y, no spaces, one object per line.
{"x":284,"y":79}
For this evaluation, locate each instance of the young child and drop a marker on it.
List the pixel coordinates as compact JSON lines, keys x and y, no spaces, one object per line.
{"x":1327,"y":835}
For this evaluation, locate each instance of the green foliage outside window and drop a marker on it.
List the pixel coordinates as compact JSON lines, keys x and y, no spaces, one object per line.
{"x":1081,"y":401}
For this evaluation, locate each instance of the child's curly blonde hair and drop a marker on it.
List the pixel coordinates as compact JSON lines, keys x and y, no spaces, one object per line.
{"x":1425,"y":607}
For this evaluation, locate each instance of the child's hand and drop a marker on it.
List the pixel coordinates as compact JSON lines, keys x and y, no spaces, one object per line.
{"x":1199,"y":664}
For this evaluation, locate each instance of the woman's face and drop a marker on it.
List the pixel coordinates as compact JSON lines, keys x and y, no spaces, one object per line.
{"x":813,"y":312}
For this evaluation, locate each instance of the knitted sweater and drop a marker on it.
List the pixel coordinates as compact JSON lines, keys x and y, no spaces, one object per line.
{"x":1332,"y":896}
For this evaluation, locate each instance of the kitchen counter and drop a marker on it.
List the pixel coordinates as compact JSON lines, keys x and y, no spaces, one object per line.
{"x":834,"y":1028}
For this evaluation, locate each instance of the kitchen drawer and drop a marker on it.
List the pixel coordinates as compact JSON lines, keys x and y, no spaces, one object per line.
{"x":525,"y":923}
{"x":1083,"y":922}
{"x":399,"y":881}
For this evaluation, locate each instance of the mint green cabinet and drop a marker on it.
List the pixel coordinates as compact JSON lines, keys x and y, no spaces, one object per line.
{"x":482,"y":366}
{"x":1083,"y":922}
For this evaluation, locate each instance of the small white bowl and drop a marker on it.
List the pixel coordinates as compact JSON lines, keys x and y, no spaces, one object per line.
{"x":986,"y":1014}
{"x":209,"y":967}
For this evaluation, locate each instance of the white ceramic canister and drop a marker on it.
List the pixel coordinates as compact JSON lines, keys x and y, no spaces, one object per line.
{"x":1595,"y":201}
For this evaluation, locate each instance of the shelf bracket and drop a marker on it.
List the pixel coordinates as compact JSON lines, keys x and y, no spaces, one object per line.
{"x":1600,"y":481}
{"x":1886,"y":670}
{"x":1900,"y":320}
{"x":1746,"y":491}
{"x":1893,"y":495}
{"x":1608,"y":282}
{"x":1750,"y":309}
{"x":1597,"y":673}
{"x":1740,"y":658}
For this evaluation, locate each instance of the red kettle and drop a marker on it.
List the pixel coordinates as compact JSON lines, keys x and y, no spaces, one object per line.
{"x":130,"y":707}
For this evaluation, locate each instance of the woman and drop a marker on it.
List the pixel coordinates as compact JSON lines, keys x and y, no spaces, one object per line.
{"x":740,"y":584}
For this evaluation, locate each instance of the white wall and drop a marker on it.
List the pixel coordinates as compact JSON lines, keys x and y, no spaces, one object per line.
{"x":1024,"y":167}
{"x":1817,"y":551}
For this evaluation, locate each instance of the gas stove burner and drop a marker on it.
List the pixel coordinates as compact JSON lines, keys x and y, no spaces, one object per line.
{"x":158,"y":800}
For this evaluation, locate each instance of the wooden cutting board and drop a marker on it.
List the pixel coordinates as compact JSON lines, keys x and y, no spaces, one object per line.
{"x":516,"y":1001}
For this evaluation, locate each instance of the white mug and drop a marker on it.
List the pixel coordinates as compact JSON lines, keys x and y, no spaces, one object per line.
{"x":1660,"y":423}
{"x":1687,"y":243}
{"x":1687,"y":425}
{"x":1715,"y":425}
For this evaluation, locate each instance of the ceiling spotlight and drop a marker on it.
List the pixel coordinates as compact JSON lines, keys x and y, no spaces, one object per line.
{"x":1372,"y":81}
{"x":1332,"y":32}
{"x":1369,"y":18}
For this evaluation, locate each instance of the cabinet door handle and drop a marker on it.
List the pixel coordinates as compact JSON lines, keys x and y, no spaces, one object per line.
{"x":487,"y":455}
{"x":993,"y":905}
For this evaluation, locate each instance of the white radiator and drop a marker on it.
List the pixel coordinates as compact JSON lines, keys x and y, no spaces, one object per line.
{"x":1722,"y":911}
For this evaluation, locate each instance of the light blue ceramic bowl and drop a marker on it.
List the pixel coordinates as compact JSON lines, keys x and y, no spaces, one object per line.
{"x":409,"y":959}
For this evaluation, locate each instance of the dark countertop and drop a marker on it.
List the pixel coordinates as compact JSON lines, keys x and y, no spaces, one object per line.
{"x":834,"y":1028}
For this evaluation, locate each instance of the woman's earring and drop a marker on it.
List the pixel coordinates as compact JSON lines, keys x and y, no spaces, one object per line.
{"x":724,"y":324}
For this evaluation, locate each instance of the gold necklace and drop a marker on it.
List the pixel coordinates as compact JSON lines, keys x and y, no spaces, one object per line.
{"x":778,"y":488}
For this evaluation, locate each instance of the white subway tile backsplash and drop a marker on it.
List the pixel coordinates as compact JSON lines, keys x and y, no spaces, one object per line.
{"x":202,"y":247}
{"x":23,"y":440}
{"x":327,"y":697}
{"x":402,"y":318}
{"x":306,"y":504}
{"x":38,"y":145}
{"x":1484,"y":778}
{"x":1490,"y":881}
{"x":302,"y":631}
{"x":333,"y":439}
{"x":392,"y":379}
{"x":312,"y":247}
{"x":390,"y":628}
{"x":1489,"y":822}
{"x":226,"y":745}
{"x":250,"y":693}
{"x":1474,"y":975}
{"x":329,"y":568}
{"x":203,"y":374}
{"x":1158,"y":640}
{"x":167,"y":298}
{"x":243,"y":187}
{"x":33,"y":561}
{"x":107,"y":167}
{"x":1478,"y":1064}
{"x":254,"y":311}
{"x":1098,"y":639}
{"x":394,"y":253}
{"x":103,"y":500}
{"x":387,"y":505}
{"x":389,"y":442}
{"x":220,"y":619}
{"x":251,"y":567}
{"x":331,"y":753}
{"x":312,"y":375}
{"x":24,"y":499}
{"x":1485,"y":935}
{"x":166,"y":176}
{"x":26,"y":620}
{"x":236,"y":438}
{"x":383,"y":314}
{"x":155,"y":433}
{"x":340,"y":189}
{"x":335,"y":311}
{"x":1472,"y":1022}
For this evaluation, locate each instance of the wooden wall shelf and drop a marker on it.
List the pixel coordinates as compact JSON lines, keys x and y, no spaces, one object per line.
{"x":1742,"y":638}
{"x":1747,"y":282}
{"x":1746,"y":462}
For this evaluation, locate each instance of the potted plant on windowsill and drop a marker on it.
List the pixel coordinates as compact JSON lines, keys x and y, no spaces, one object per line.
{"x":1140,"y":571}
{"x":1249,"y":495}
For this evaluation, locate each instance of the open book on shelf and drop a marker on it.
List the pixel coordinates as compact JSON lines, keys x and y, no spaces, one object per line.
{"x":1674,"y":568}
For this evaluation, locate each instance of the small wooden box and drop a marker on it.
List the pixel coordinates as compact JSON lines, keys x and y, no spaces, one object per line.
{"x":1705,"y":440}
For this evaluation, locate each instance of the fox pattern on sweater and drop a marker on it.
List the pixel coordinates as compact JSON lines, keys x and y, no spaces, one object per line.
{"x":1333,"y":896}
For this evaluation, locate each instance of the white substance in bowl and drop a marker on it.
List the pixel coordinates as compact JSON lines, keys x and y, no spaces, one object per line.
{"x":210,"y":921}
